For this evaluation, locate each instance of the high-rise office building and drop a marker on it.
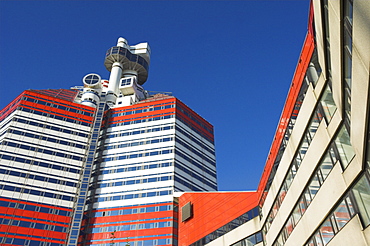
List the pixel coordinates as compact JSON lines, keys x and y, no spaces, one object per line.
{"x":99,"y":165}
{"x":315,"y":188}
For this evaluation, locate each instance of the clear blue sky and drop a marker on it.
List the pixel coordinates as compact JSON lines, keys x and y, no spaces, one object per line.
{"x":230,"y":61}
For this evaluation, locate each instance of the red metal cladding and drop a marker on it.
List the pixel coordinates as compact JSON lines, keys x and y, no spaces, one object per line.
{"x":144,"y":115}
{"x":36,"y":215}
{"x":131,"y":219}
{"x":31,"y":238}
{"x":298,"y":77}
{"x":143,"y":105}
{"x":32,"y":232}
{"x":10,"y":107}
{"x":195,"y":120}
{"x":152,"y":114}
{"x":33,"y":94}
{"x":195,"y":115}
{"x":211,"y":211}
{"x":58,"y":112}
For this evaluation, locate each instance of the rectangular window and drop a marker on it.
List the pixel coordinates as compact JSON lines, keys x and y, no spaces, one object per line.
{"x":314,"y":186}
{"x":326,"y":231}
{"x":362,"y":196}
{"x":326,"y":166}
{"x":327,"y":103}
{"x":297,"y":214}
{"x":345,"y":149}
{"x":342,"y":215}
{"x":289,"y":225}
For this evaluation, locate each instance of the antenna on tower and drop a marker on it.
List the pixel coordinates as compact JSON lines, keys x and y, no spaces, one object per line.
{"x":125,"y":61}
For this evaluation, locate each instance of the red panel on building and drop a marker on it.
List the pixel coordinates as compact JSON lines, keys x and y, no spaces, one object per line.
{"x":211,"y":211}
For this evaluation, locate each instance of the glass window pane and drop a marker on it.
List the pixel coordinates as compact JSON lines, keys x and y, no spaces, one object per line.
{"x":302,"y":205}
{"x":289,"y":225}
{"x":296,"y":214}
{"x":251,"y":240}
{"x":289,"y":178}
{"x":326,"y":166}
{"x":318,"y":239}
{"x":345,"y":149}
{"x":308,"y":197}
{"x":342,"y":215}
{"x":304,"y":147}
{"x":328,"y":104}
{"x":326,"y":231}
{"x":361,"y":192}
{"x":282,"y":193}
{"x":311,"y":243}
{"x":275,"y":209}
{"x":315,"y":122}
{"x":314,"y":186}
{"x":294,"y":169}
{"x":350,"y":206}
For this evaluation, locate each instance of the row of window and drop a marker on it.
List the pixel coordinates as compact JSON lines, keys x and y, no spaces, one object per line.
{"x":242,"y":219}
{"x":86,"y":175}
{"x":131,"y":227}
{"x":308,"y":79}
{"x":38,"y":177}
{"x":153,"y":242}
{"x":133,"y":196}
{"x":195,"y":163}
{"x":135,"y":181}
{"x":112,"y":120}
{"x":194,"y":117}
{"x":38,"y":208}
{"x":307,"y":138}
{"x":195,"y":140}
{"x":64,"y":94}
{"x":347,"y":56}
{"x":126,"y":55}
{"x":138,"y":111}
{"x":52,"y":115}
{"x":250,"y":240}
{"x":134,"y":211}
{"x":129,"y":222}
{"x":334,"y":153}
{"x":9,"y":109}
{"x":138,"y":155}
{"x":42,"y":150}
{"x":53,"y":127}
{"x":41,"y":136}
{"x":137,"y":143}
{"x":66,"y":107}
{"x":120,"y":110}
{"x":27,"y":242}
{"x":135,"y":132}
{"x":315,"y":183}
{"x":38,"y":225}
{"x":135,"y":168}
{"x":339,"y":217}
{"x":131,"y":122}
{"x":333,"y":223}
{"x":39,"y":163}
{"x":209,"y":137}
{"x":191,"y":148}
{"x":36,"y":192}
{"x":193,"y":186}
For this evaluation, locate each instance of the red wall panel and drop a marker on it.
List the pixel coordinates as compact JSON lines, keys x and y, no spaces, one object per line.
{"x":211,"y":211}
